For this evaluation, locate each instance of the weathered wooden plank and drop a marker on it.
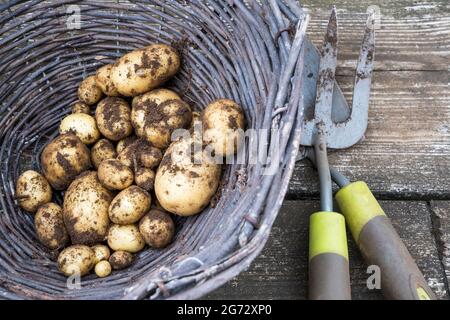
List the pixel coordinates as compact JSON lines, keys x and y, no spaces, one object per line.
{"x":280,"y":272}
{"x":441,"y":224}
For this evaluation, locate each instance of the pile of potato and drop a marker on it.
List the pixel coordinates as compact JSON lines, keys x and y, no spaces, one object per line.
{"x":115,"y":155}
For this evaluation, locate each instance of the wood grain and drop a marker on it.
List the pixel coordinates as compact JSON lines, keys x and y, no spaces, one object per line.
{"x":280,"y":272}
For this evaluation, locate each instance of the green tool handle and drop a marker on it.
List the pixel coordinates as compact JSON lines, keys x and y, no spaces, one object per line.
{"x":328,"y":257}
{"x":380,"y":244}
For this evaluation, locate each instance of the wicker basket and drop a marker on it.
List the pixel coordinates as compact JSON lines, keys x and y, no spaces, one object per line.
{"x":243,"y":50}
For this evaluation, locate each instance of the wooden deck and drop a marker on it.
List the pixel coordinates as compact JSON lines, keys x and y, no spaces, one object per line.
{"x":405,"y":158}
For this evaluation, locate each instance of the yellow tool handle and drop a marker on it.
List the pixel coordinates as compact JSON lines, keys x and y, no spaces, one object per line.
{"x":328,"y":257}
{"x":381,"y":245}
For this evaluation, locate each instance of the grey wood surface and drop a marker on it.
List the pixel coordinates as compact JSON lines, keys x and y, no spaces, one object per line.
{"x":405,"y":157}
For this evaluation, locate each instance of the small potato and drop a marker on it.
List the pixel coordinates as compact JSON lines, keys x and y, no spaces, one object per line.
{"x":32,"y":191}
{"x":63,"y":159}
{"x":104,"y":82}
{"x":102,"y":269}
{"x":144,"y":178}
{"x":157,"y":228}
{"x":113,"y":118}
{"x":138,"y":152}
{"x":151,"y":158}
{"x":130,"y":205}
{"x":81,"y":107}
{"x":223,"y":124}
{"x":89,"y":92}
{"x":101,"y":252}
{"x":86,"y":204}
{"x":114,"y":175}
{"x":49,"y":225}
{"x":76,"y":259}
{"x":122,"y":144}
{"x":102,"y":150}
{"x":144,"y":69}
{"x":82,"y":125}
{"x":120,"y":260}
{"x":125,"y":238}
{"x":183,"y":186}
{"x":156,"y":114}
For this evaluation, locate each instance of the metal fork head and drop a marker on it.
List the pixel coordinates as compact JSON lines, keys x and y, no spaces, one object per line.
{"x":343,"y":134}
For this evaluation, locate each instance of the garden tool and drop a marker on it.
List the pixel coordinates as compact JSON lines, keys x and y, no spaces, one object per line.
{"x":371,"y":229}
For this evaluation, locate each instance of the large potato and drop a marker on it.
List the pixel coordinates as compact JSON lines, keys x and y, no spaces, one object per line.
{"x":82,"y":125}
{"x":113,"y":118}
{"x":156,"y":114}
{"x":183,"y":186}
{"x":102,"y":150}
{"x":114,"y":175}
{"x":76,"y":259}
{"x":85,"y":213}
{"x":89,"y":92}
{"x":50,"y":228}
{"x":144,"y":69}
{"x":32,"y":190}
{"x":104,"y":82}
{"x":63,"y":159}
{"x":223,"y":124}
{"x":130,"y":205}
{"x":157,"y":228}
{"x":125,"y":238}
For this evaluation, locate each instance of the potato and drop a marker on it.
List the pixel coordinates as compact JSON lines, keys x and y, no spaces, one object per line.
{"x":222,"y":120}
{"x":32,"y":191}
{"x":125,"y":142}
{"x":102,"y":150}
{"x":102,"y":269}
{"x":81,"y":107}
{"x":101,"y":252}
{"x":89,"y":92}
{"x":157,"y":228}
{"x":144,"y":69}
{"x":156,"y":114}
{"x":181,"y":186}
{"x":196,"y":119}
{"x":130,"y":205}
{"x":82,"y":125}
{"x":76,"y":259}
{"x":144,"y":178}
{"x":114,"y":175}
{"x":125,"y":238}
{"x":63,"y":159}
{"x":140,"y":152}
{"x":86,"y":204}
{"x":113,"y":118}
{"x":104,"y":82}
{"x":49,"y":225}
{"x":120,"y":260}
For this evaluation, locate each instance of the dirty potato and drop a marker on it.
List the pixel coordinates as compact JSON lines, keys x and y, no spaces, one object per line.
{"x":120,"y":260}
{"x":81,"y":107}
{"x":125,"y":238}
{"x":102,"y":150}
{"x":130,"y":205}
{"x":32,"y":191}
{"x":125,"y":142}
{"x":144,"y":178}
{"x":63,"y":159}
{"x":101,"y":252}
{"x":183,"y":186}
{"x":49,"y":225}
{"x":144,"y":69}
{"x":89,"y":92}
{"x":104,"y":82}
{"x":113,"y":118}
{"x":102,"y":269}
{"x":138,"y":153}
{"x":157,"y":228}
{"x":114,"y":175}
{"x":156,"y":114}
{"x":223,"y":124}
{"x":82,"y":125}
{"x":86,"y":204}
{"x":76,"y":259}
